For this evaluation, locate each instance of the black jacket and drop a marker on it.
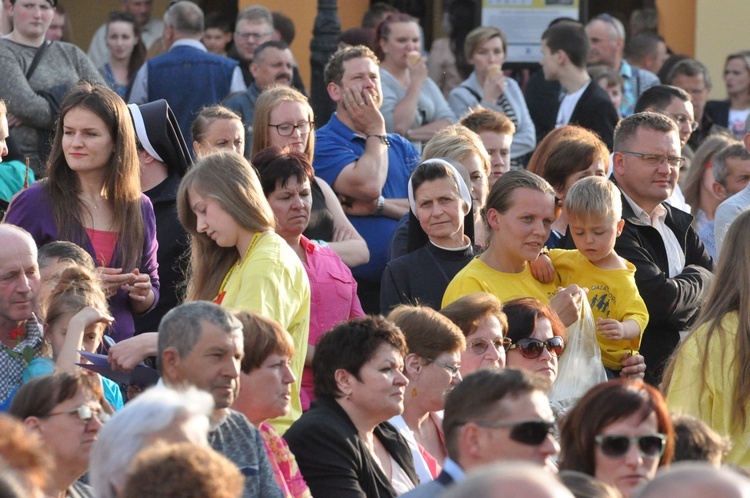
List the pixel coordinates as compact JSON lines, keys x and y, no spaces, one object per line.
{"x":333,"y":457}
{"x":673,"y":303}
{"x":594,"y":111}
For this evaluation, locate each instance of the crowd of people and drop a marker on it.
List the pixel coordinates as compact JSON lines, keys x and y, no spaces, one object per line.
{"x":466,"y":281}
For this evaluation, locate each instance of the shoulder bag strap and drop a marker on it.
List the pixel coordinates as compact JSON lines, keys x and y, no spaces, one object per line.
{"x":37,"y":57}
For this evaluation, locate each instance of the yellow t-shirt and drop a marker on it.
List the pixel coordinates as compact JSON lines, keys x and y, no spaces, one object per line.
{"x":712,"y":403}
{"x":612,"y":294}
{"x":271,"y":281}
{"x":477,"y":276}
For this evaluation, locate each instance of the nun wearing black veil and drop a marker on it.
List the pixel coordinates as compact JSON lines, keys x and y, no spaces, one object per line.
{"x":164,"y":159}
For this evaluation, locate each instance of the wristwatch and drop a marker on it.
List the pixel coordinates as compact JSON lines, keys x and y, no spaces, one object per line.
{"x":383,"y":138}
{"x":381,"y":203}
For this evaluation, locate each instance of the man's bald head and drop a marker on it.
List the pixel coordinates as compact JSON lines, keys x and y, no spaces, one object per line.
{"x":696,"y":480}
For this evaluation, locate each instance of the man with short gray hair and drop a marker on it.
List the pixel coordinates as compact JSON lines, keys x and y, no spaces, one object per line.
{"x":607,"y":36}
{"x":187,"y":76}
{"x":733,"y":206}
{"x":255,"y":27}
{"x":200,"y":344}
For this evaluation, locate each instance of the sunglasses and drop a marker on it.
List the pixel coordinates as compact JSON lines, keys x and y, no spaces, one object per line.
{"x":86,"y":413}
{"x":616,"y":445}
{"x":530,"y":433}
{"x":453,"y":370}
{"x":532,"y":348}
{"x":480,"y":346}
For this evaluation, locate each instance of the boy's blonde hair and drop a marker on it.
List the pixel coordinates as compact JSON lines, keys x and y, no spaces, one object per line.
{"x":594,"y":197}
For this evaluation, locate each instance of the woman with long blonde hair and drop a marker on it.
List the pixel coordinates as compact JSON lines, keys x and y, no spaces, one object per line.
{"x":237,"y":259}
{"x":709,"y":375}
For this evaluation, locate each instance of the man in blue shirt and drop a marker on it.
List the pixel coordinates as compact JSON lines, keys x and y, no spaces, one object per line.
{"x":366,"y":167}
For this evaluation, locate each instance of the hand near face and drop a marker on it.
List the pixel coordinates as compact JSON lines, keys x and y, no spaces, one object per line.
{"x":418,"y":70}
{"x":494,"y":87}
{"x":363,"y":110}
{"x":542,"y":269}
{"x":90,"y":315}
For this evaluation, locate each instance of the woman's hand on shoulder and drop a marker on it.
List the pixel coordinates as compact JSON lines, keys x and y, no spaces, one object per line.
{"x":542,"y":269}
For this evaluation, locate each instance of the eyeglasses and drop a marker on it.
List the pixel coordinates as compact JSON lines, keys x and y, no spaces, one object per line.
{"x":287,"y":129}
{"x":530,"y":433}
{"x":452,"y":369}
{"x":616,"y":445}
{"x":532,"y":348}
{"x":480,"y":346}
{"x":682,"y":120}
{"x":251,"y":36}
{"x":86,"y":413}
{"x":656,"y":159}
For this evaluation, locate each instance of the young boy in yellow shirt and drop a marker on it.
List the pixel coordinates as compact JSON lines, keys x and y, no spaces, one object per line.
{"x":594,"y":209}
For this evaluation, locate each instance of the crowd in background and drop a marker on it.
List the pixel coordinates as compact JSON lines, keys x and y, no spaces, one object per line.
{"x":469,"y":282}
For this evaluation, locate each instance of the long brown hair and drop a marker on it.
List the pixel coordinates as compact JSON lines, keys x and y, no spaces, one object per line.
{"x":729,"y":293}
{"x":122,"y":185}
{"x":703,"y":157}
{"x":227,"y":178}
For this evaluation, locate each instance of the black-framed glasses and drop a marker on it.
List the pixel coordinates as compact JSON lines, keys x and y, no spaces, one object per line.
{"x":451,"y":369}
{"x":251,"y":36}
{"x":286,"y":129}
{"x":530,"y":432}
{"x":480,"y":346}
{"x":682,"y":120}
{"x":617,"y":445}
{"x":656,"y":159}
{"x":86,"y":413}
{"x":532,"y":348}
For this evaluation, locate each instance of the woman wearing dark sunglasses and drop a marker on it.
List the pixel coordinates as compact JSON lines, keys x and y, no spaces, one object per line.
{"x":536,"y":336}
{"x":65,"y":411}
{"x":619,"y":432}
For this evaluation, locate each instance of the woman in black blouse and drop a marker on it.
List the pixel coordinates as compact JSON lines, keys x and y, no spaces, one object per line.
{"x":343,"y":444}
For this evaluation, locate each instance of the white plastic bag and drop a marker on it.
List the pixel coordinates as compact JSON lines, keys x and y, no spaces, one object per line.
{"x":580,"y":367}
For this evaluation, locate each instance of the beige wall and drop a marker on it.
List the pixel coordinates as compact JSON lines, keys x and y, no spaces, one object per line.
{"x":721,"y":28}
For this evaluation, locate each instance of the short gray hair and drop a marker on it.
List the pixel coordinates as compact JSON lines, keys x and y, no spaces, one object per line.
{"x":255,"y":13}
{"x":719,"y":169}
{"x":527,"y":476}
{"x":133,"y":428}
{"x":615,"y":25}
{"x":182,"y":327}
{"x":690,"y":68}
{"x":627,"y":128}
{"x":185,"y":17}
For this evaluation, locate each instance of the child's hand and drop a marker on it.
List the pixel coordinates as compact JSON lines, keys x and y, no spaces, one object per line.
{"x":542,"y":269}
{"x":90,"y":315}
{"x":609,"y":328}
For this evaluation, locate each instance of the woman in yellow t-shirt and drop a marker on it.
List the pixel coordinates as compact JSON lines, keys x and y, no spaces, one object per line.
{"x":708,"y":375}
{"x":519,"y":212}
{"x":237,"y":260}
